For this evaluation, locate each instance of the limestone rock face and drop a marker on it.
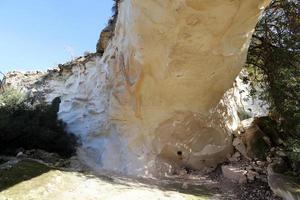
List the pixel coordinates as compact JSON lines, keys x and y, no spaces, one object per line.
{"x":146,"y":106}
{"x":173,"y":61}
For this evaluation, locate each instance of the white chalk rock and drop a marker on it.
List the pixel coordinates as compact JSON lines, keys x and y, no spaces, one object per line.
{"x":148,"y":99}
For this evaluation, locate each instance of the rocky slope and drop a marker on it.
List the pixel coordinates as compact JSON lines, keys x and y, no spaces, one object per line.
{"x":149,"y":103}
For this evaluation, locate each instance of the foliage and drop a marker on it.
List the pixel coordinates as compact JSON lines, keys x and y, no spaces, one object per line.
{"x":11,"y":98}
{"x":293,"y":153}
{"x":274,"y":62}
{"x":32,"y":127}
{"x":269,"y":127}
{"x":293,"y":149}
{"x":243,"y":114}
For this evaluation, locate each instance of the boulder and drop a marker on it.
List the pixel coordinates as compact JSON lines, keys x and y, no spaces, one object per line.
{"x":287,"y":187}
{"x":256,"y":141}
{"x":240,"y":146}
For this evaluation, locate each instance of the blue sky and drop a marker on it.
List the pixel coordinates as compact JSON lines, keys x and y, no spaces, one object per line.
{"x":39,"y":34}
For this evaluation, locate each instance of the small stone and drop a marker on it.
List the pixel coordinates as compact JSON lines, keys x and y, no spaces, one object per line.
{"x":263,"y":178}
{"x":272,"y":149}
{"x":235,"y":157}
{"x":258,"y":169}
{"x":235,"y":174}
{"x":281,"y":153}
{"x":82,"y":59}
{"x":29,"y":152}
{"x":182,"y":172}
{"x":20,"y":154}
{"x":260,"y":163}
{"x":251,"y":175}
{"x":236,"y":141}
{"x":57,"y":164}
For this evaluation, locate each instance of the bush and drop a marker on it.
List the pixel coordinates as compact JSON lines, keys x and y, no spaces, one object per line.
{"x":32,"y":127}
{"x":11,"y":97}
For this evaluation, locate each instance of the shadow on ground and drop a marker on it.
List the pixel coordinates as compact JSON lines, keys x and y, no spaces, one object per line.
{"x":19,"y":172}
{"x":19,"y":179}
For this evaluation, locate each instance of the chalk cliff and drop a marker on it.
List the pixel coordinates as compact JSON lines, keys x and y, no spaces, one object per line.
{"x":148,"y":104}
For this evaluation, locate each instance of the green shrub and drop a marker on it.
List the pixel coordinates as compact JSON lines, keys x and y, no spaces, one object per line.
{"x":11,"y":97}
{"x":32,"y":127}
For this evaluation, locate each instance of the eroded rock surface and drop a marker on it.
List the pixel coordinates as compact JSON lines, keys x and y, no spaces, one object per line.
{"x":146,"y":104}
{"x":176,"y":57}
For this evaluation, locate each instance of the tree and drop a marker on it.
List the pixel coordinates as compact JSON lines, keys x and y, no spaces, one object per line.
{"x":274,"y":62}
